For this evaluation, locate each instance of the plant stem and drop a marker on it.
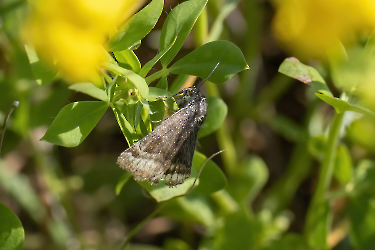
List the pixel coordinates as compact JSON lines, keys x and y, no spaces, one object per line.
{"x":201,"y":29}
{"x":139,"y":227}
{"x":157,"y":75}
{"x":223,"y":137}
{"x":326,"y":171}
{"x":318,"y":208}
{"x":14,"y":105}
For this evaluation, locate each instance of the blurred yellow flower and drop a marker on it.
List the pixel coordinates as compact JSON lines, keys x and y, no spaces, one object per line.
{"x":70,"y":34}
{"x":314,"y":28}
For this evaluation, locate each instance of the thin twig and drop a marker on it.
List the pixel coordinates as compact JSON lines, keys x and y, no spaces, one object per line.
{"x":139,"y":227}
{"x":14,"y":105}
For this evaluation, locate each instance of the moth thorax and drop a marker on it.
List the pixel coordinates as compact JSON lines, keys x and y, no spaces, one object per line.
{"x":186,"y":96}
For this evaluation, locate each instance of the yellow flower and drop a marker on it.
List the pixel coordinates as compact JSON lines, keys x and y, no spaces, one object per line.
{"x":70,"y":34}
{"x":314,"y":28}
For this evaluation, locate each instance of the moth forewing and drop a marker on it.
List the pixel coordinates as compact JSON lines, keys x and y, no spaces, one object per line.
{"x":167,"y":152}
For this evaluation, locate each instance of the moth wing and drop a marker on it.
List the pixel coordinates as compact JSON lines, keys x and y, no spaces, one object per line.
{"x":166,"y":152}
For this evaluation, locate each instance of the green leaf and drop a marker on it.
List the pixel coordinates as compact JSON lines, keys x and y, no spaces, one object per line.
{"x":90,"y":89}
{"x":160,"y":192}
{"x":342,"y":106}
{"x":343,"y":165}
{"x":179,"y":24}
{"x":212,"y":179}
{"x":178,"y":83}
{"x":248,"y":182}
{"x":74,"y":123}
{"x":362,"y":222}
{"x":123,"y":180}
{"x":317,"y":145}
{"x":110,"y":89}
{"x":138,"y":81}
{"x":216,"y":112}
{"x":202,"y":61}
{"x":238,"y":232}
{"x":185,"y":209}
{"x":362,"y":132}
{"x":156,"y":93}
{"x":318,"y":225}
{"x":293,"y":68}
{"x":127,"y":128}
{"x":42,"y":72}
{"x":289,"y":241}
{"x":364,"y":176}
{"x":148,"y":66}
{"x":12,"y":234}
{"x":137,"y":27}
{"x":128,"y":60}
{"x":162,"y":83}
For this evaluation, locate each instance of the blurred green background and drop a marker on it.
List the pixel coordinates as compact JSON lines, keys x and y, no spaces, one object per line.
{"x":275,"y":136}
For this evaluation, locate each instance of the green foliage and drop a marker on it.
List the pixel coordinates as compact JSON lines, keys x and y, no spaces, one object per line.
{"x":11,"y":230}
{"x":137,"y":27}
{"x":74,"y":123}
{"x":288,"y":165}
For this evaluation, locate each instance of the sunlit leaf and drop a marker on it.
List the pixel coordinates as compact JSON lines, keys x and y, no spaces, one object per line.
{"x":156,"y":93}
{"x":74,"y":123}
{"x":90,"y":89}
{"x":342,"y":106}
{"x":137,"y":27}
{"x":11,"y":231}
{"x":202,"y":61}
{"x":128,"y":60}
{"x":178,"y":24}
{"x":148,"y":66}
{"x":292,"y":67}
{"x":138,"y":81}
{"x":127,"y":126}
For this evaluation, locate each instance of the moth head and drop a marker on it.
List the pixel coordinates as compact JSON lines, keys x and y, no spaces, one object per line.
{"x":186,"y":96}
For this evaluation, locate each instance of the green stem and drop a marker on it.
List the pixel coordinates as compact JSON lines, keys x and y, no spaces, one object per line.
{"x":201,"y":29}
{"x":326,"y":171}
{"x":316,"y":207}
{"x":14,"y":105}
{"x":281,"y":193}
{"x":225,"y":201}
{"x":223,"y":136}
{"x":139,"y":227}
{"x":157,"y":75}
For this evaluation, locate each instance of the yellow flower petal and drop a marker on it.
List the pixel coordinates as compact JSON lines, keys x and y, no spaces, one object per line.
{"x":70,"y":34}
{"x":312,"y":28}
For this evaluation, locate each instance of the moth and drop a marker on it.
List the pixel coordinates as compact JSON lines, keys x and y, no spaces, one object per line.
{"x":167,"y":152}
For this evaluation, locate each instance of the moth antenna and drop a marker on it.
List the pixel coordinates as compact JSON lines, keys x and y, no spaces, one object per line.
{"x":200,"y":170}
{"x":217,"y":65}
{"x":14,"y":105}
